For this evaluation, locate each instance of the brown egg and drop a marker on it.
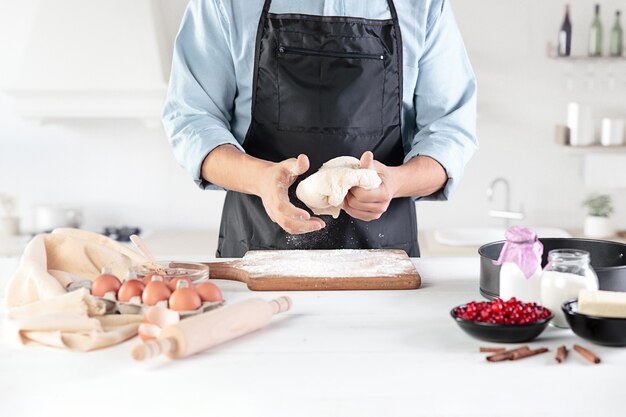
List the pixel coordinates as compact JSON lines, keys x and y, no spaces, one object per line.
{"x":184,"y":298}
{"x":148,"y":278}
{"x":129,"y":289}
{"x":209,"y":292}
{"x":174,"y":281}
{"x":105,"y":283}
{"x":155,"y":291}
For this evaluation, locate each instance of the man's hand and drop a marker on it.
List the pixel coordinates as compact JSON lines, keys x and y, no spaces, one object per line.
{"x":371,"y":204}
{"x":276,"y":181}
{"x":267,"y":180}
{"x":421,"y":176}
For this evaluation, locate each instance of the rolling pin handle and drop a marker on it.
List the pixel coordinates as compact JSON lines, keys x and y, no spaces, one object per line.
{"x":280,"y":304}
{"x":153,"y":348}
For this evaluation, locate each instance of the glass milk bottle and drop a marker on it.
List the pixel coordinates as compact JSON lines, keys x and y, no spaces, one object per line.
{"x":568,"y":271}
{"x":520,"y":273}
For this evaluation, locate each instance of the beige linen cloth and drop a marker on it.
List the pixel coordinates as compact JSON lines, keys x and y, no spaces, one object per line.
{"x":39,"y":310}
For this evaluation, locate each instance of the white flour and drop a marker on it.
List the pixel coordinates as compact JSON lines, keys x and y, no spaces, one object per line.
{"x":337,"y":263}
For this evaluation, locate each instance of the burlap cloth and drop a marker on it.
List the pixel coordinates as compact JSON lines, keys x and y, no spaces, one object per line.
{"x":39,"y":309}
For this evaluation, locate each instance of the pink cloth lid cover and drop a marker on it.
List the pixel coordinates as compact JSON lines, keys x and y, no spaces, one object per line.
{"x":523,"y":248}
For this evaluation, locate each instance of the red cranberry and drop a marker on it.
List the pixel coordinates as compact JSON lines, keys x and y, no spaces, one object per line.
{"x":512,"y":311}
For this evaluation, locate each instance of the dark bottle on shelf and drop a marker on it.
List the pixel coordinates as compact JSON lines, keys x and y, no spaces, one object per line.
{"x":565,"y":35}
{"x":616,"y":44}
{"x":595,"y":35}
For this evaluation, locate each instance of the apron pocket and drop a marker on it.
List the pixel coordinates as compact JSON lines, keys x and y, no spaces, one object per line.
{"x":331,"y":92}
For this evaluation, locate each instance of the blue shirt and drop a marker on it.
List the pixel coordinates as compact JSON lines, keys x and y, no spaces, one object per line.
{"x":210,"y":91}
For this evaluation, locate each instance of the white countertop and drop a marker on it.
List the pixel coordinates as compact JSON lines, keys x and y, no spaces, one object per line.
{"x":350,"y":353}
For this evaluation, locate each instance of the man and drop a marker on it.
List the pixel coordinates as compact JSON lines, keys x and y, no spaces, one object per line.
{"x":262,"y":93}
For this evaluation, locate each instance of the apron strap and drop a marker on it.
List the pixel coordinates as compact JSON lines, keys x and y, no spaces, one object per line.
{"x":266,"y":6}
{"x":392,"y":8}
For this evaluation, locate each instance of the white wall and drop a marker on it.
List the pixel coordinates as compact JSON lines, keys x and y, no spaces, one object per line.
{"x":123,"y":173}
{"x":522,"y":95}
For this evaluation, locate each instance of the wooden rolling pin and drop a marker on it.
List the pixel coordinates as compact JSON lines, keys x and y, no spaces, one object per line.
{"x":209,"y":329}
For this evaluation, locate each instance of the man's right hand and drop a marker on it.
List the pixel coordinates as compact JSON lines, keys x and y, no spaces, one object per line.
{"x":267,"y":180}
{"x":273,"y":192}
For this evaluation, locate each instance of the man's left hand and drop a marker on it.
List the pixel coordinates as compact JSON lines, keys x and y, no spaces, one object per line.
{"x":369,"y":205}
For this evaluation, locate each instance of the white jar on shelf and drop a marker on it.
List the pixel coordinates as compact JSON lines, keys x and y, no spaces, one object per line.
{"x":612,"y":132}
{"x":580,"y":123}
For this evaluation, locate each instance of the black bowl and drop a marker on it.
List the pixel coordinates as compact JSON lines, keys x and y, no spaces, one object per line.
{"x":606,"y":331}
{"x":608,"y":259}
{"x":501,"y":333}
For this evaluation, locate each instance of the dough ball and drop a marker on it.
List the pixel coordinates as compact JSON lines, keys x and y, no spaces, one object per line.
{"x":324,"y":191}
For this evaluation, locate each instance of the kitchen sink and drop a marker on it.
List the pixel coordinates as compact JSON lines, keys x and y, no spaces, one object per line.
{"x":477,"y":236}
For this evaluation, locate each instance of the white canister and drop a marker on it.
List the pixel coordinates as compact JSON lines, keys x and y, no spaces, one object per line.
{"x":9,"y":226}
{"x":612,"y":132}
{"x":580,"y":123}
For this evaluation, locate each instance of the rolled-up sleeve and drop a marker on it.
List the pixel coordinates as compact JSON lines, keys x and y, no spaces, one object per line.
{"x":202,"y":87}
{"x":445,"y":101}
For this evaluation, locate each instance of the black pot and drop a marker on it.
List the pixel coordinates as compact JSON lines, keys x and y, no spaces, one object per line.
{"x":608,"y":259}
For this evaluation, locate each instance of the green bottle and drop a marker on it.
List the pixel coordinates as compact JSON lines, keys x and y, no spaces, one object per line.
{"x":616,"y":47}
{"x":595,"y":35}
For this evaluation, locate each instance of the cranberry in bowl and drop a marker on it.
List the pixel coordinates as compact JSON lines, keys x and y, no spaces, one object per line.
{"x":500,"y":321}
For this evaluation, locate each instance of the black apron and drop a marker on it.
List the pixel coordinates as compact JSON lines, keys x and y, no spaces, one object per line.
{"x":324,"y":86}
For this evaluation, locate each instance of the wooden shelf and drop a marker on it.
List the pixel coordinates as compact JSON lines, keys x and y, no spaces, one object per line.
{"x":594,"y":149}
{"x":589,"y":59}
{"x":551,"y":52}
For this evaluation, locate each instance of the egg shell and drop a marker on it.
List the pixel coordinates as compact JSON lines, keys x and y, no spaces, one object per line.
{"x":105,"y":283}
{"x":129,"y":289}
{"x":185,"y":299}
{"x":209,"y":292}
{"x":154,"y":292}
{"x":174,"y":281}
{"x":148,"y":331}
{"x":161,"y":316}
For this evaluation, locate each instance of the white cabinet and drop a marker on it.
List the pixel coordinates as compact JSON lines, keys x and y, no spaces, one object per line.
{"x":93,"y":59}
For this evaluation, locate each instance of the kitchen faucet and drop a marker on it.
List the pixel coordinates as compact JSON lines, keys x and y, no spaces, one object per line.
{"x":505,"y":214}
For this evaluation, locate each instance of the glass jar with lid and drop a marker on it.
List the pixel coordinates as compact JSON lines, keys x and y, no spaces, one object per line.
{"x":568,"y":271}
{"x":520,"y":273}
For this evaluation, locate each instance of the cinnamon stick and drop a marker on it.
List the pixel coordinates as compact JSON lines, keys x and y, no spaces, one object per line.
{"x":561,"y":354}
{"x":527,"y":353}
{"x":587,"y":354}
{"x":492,"y":349}
{"x":506,"y":355}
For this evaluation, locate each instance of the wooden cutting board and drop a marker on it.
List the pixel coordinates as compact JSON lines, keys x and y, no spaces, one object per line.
{"x":306,"y":270}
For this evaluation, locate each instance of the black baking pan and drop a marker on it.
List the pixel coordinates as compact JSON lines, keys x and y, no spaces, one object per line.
{"x":608,"y":331}
{"x":608,"y":259}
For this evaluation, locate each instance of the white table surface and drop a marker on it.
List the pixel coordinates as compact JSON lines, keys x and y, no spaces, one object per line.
{"x":352,"y":353}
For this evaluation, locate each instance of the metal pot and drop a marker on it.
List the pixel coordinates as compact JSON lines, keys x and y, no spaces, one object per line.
{"x":49,"y":217}
{"x":608,"y":259}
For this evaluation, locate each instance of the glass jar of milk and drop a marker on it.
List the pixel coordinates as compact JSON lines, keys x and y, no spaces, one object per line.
{"x":520,"y":273}
{"x":568,"y":271}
